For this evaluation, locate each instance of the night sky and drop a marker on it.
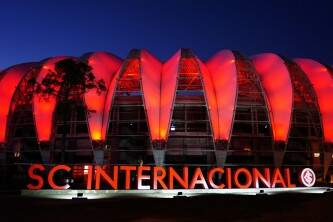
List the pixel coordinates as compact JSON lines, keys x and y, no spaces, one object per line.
{"x":33,"y":30}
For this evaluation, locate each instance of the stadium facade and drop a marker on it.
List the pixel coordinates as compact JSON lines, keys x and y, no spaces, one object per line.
{"x":230,"y":110}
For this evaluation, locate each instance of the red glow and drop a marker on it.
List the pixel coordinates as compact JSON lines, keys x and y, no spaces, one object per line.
{"x":168,"y":90}
{"x":104,"y":66}
{"x":131,"y":72}
{"x":159,"y":175}
{"x":156,"y":177}
{"x":8,"y":85}
{"x":211,"y":175}
{"x":44,"y":109}
{"x":248,"y":178}
{"x":170,"y":72}
{"x":132,"y":69}
{"x":151,"y":69}
{"x":322,"y":83}
{"x":108,"y":104}
{"x":224,"y":75}
{"x":32,"y":175}
{"x":276,"y":82}
{"x":212,"y":103}
{"x":51,"y":174}
{"x":159,"y":82}
{"x":189,"y":66}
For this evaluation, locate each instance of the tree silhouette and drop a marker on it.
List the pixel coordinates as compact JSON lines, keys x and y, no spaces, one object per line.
{"x":68,"y":83}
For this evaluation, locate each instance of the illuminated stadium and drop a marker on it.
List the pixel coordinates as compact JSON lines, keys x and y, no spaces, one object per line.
{"x":231,"y":110}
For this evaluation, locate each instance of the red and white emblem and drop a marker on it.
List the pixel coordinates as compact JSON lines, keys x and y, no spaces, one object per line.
{"x":308,"y":177}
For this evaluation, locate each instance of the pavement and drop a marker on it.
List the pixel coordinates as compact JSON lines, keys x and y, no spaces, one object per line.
{"x":279,"y":207}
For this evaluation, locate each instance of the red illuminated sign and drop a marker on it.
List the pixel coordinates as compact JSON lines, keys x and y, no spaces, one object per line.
{"x":157,"y":177}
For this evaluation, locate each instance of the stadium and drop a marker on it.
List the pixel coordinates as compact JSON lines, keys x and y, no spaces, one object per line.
{"x":231,"y":110}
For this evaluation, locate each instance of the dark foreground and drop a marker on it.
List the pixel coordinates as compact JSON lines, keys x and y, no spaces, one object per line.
{"x":283,"y":207}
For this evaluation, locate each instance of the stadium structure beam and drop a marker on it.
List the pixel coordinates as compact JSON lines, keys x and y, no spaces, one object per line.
{"x":276,"y":82}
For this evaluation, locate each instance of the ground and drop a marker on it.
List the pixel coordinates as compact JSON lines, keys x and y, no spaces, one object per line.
{"x":282,"y":207}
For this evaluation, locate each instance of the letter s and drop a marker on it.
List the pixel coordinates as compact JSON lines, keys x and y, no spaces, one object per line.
{"x":33,"y":176}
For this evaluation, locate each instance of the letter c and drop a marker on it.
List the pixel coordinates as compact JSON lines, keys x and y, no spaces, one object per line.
{"x":51,"y":175}
{"x":211,"y":174}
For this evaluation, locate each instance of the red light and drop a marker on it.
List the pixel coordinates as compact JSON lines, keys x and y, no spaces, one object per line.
{"x":224,"y":75}
{"x":44,"y":109}
{"x":8,"y":85}
{"x":151,"y":69}
{"x":168,"y":90}
{"x":104,"y":66}
{"x":322,"y":83}
{"x":276,"y":82}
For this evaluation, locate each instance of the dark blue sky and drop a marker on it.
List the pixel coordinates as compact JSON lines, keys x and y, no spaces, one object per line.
{"x":33,"y":30}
